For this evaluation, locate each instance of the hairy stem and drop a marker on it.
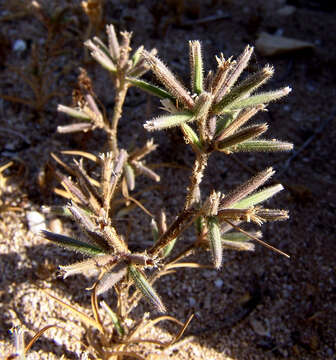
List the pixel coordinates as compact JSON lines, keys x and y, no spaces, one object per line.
{"x":182,"y":222}
{"x":195,"y":180}
{"x":121,"y":91}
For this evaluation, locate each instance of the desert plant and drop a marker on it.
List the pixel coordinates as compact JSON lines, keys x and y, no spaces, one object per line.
{"x":212,"y":117}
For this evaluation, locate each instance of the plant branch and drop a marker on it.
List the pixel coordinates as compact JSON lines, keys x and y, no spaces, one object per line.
{"x":121,"y":91}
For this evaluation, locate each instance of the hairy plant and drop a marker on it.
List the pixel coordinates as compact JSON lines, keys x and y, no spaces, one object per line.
{"x":212,"y":116}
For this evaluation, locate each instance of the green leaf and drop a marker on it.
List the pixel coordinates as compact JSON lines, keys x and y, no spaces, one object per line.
{"x":261,"y":145}
{"x":114,"y":317}
{"x":215,"y":241}
{"x":261,"y":98}
{"x":130,"y":176}
{"x":72,"y":244}
{"x":242,"y":191}
{"x":200,"y":223}
{"x":190,"y":135}
{"x":196,"y":65}
{"x":241,"y":136}
{"x":155,"y":230}
{"x":168,"y":121}
{"x":258,"y":197}
{"x":243,"y":89}
{"x":136,"y":56}
{"x":168,"y":248}
{"x":150,"y":88}
{"x":146,"y":289}
{"x":224,"y":120}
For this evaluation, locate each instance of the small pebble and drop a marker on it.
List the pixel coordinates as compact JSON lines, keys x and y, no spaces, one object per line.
{"x":36,"y":221}
{"x":286,"y":10}
{"x":219,"y":283}
{"x":19,"y":45}
{"x":192,"y":302}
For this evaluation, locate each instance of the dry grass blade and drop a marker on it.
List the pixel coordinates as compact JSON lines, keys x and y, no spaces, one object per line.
{"x":138,"y":203}
{"x":187,"y":264}
{"x":62,"y":163}
{"x":62,"y":193}
{"x":256,"y":239}
{"x":84,"y":318}
{"x":181,"y":332}
{"x":143,"y":326}
{"x":94,"y":306}
{"x":6,"y":166}
{"x":37,"y":336}
{"x":84,"y":154}
{"x":149,"y":341}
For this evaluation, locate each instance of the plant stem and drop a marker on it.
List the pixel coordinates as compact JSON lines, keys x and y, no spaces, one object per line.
{"x":182,"y":222}
{"x":195,"y":180}
{"x":121,"y":91}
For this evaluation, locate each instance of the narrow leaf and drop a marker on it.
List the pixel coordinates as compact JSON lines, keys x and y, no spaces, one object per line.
{"x":84,"y":318}
{"x":215,"y":242}
{"x":258,"y":197}
{"x":261,"y":98}
{"x":137,"y":55}
{"x":36,"y":337}
{"x":156,"y":234}
{"x":100,"y":56}
{"x":235,"y":72}
{"x":238,"y":122}
{"x":145,"y":170}
{"x":72,"y":244}
{"x":146,"y":289}
{"x":272,"y":214}
{"x":67,"y":129}
{"x":190,"y":135}
{"x":238,"y":236}
{"x":114,"y":317}
{"x":91,"y":264}
{"x":78,"y":114}
{"x":130,"y":176}
{"x":150,"y":88}
{"x":244,"y":89}
{"x":238,"y":245}
{"x":101,"y":45}
{"x":245,"y":189}
{"x":196,"y":66}
{"x":166,"y":77}
{"x":261,"y":145}
{"x":113,"y":43}
{"x":224,"y":120}
{"x":202,"y":106}
{"x":223,"y":67}
{"x":85,"y":154}
{"x":167,"y":121}
{"x":155,"y":230}
{"x":241,"y":136}
{"x":111,"y":278}
{"x":168,"y":248}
